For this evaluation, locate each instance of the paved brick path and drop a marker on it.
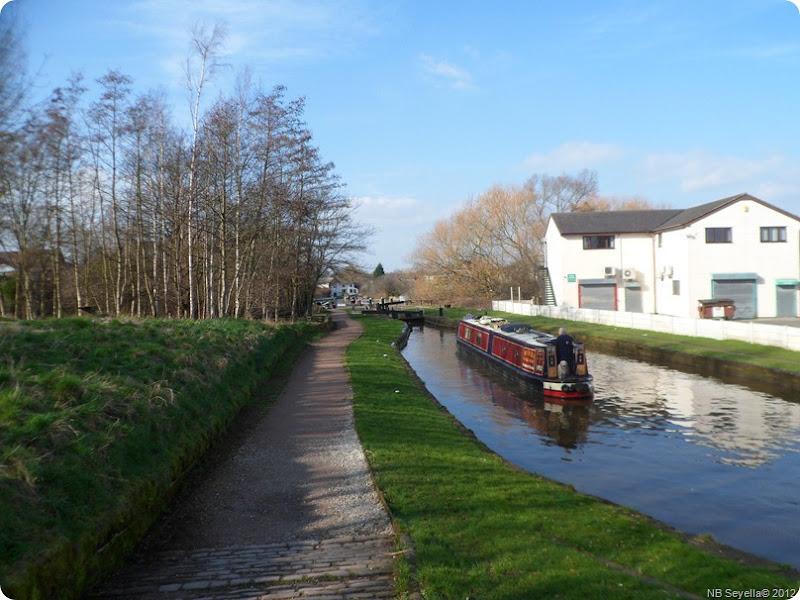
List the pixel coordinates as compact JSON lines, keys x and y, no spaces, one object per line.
{"x":285,"y":510}
{"x":347,"y":568}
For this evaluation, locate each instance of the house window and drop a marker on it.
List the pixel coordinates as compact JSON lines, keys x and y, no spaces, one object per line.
{"x":718,"y":235}
{"x":676,"y":287}
{"x":773,"y":234}
{"x":598,"y":242}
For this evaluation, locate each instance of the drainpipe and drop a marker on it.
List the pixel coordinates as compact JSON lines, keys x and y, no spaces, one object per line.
{"x":621,"y":277}
{"x":655,"y":277}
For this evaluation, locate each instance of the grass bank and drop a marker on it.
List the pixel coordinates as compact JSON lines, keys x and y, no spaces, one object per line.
{"x":99,"y":421}
{"x":483,"y":529}
{"x":766,"y":368}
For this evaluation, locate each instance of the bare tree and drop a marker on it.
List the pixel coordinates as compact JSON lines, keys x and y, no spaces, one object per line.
{"x":106,"y":118}
{"x":22,"y":215}
{"x":565,"y":193}
{"x":13,"y":86}
{"x":146,"y":128}
{"x":241,"y":217}
{"x":13,"y":76}
{"x":200,"y":67}
{"x":63,"y":144}
{"x":607,"y":203}
{"x":495,"y":240}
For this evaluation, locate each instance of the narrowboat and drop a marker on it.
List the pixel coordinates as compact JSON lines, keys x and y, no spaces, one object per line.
{"x":530,"y":354}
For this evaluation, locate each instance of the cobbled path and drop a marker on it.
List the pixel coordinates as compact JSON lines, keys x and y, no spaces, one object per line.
{"x":347,"y":568}
{"x":285,"y":509}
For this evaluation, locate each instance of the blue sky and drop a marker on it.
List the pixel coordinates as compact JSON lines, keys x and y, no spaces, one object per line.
{"x":422,"y":104}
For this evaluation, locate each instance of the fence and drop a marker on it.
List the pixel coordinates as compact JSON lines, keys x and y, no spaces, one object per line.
{"x":755,"y":333}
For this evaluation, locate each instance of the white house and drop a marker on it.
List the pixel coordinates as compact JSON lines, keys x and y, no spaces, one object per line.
{"x":340,"y":289}
{"x":665,"y":261}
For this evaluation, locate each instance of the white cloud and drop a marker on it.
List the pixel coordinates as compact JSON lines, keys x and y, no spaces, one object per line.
{"x":398,"y":223}
{"x":277,"y":14}
{"x":774,"y":191}
{"x":605,"y":22}
{"x":699,"y":170}
{"x":444,"y":71}
{"x":395,"y":212}
{"x":679,"y":178}
{"x":258,"y":30}
{"x":767,"y":52}
{"x":697,"y":176}
{"x":571,"y":156}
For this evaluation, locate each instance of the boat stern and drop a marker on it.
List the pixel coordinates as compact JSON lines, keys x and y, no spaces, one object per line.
{"x":569,"y":389}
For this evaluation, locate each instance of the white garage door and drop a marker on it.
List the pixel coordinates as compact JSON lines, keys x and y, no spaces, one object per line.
{"x":600,"y":296}
{"x":741,"y":291}
{"x":633,"y":299}
{"x":787,"y":300}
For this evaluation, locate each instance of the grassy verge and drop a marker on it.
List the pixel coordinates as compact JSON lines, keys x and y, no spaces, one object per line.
{"x":100,"y":420}
{"x":483,"y":529}
{"x":768,"y":368}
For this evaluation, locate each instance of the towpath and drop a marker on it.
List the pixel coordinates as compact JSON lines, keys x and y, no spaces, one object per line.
{"x":285,"y":507}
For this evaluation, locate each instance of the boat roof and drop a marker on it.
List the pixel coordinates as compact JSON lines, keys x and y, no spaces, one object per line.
{"x":520,"y":331}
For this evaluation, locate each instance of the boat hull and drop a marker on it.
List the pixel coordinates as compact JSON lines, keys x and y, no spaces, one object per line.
{"x":531,"y":356}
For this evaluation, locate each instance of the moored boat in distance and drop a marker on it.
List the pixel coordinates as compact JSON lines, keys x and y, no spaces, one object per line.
{"x":530,"y":354}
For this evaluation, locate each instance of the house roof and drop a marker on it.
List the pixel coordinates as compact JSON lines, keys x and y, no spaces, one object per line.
{"x":619,"y":221}
{"x":694,"y":213}
{"x":32,"y":256}
{"x":645,"y":221}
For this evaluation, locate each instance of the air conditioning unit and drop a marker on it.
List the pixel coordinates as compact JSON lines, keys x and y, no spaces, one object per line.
{"x":628,"y":274}
{"x":610,"y":272}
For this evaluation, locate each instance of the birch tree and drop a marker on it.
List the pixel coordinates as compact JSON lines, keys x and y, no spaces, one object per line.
{"x":21,"y":211}
{"x":106,"y":118}
{"x":200,"y":67}
{"x":62,"y":142}
{"x":238,"y":216}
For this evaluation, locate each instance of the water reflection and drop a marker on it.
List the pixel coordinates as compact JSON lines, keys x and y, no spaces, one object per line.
{"x":698,"y":454}
{"x":744,"y":427}
{"x":564,"y":423}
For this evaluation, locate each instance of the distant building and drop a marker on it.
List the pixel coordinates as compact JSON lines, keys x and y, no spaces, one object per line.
{"x":665,"y":261}
{"x":340,"y":289}
{"x":37,"y":261}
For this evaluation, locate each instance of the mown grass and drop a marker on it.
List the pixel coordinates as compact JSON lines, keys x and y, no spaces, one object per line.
{"x":483,"y":529}
{"x":772,"y":357}
{"x":98,"y":419}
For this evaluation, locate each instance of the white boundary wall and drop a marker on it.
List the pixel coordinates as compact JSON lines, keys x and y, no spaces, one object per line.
{"x":755,"y":333}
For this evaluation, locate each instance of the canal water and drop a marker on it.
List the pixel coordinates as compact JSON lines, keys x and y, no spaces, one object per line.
{"x":695,"y":453}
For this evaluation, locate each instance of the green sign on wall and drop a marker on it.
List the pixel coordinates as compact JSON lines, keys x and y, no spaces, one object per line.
{"x":571,"y":278}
